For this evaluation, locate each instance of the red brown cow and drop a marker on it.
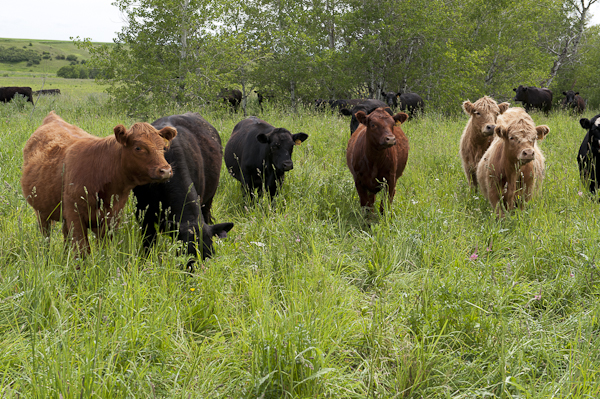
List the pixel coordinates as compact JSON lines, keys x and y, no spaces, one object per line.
{"x":377,"y":152}
{"x":478,"y":133}
{"x":86,"y":180}
{"x":513,"y":167}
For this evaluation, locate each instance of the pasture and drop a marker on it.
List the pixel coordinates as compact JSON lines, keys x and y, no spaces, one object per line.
{"x":309,"y":297}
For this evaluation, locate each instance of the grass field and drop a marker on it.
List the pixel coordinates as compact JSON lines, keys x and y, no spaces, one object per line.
{"x":308,"y":298}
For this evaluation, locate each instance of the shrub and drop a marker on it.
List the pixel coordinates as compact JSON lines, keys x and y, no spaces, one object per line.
{"x":71,"y":57}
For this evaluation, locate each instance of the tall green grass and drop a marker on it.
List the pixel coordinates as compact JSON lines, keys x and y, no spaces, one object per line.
{"x":308,"y":296}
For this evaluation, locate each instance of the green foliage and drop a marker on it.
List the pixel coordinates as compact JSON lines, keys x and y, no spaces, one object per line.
{"x":13,"y":54}
{"x":71,"y":57}
{"x":76,"y":72}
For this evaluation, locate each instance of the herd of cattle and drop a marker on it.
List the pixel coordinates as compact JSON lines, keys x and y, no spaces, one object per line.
{"x":10,"y":92}
{"x":173,"y":165}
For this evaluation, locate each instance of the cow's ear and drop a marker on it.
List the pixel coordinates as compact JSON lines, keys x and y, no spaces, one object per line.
{"x":542,"y":131}
{"x":400,"y":117}
{"x":565,"y":93}
{"x":121,"y":134}
{"x":577,"y":93}
{"x":501,"y":132}
{"x":503,"y":107}
{"x":168,"y":133}
{"x":525,"y":88}
{"x":263,"y":138}
{"x":361,"y":117}
{"x":299,"y":137}
{"x":467,"y":106}
{"x":585,"y":123}
{"x":515,"y":89}
{"x":220,"y":230}
{"x":345,"y":112}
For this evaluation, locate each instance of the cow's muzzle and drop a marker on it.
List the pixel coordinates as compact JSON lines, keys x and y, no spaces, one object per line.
{"x":488,"y":130}
{"x":526,"y":156}
{"x":388,"y":141}
{"x":164,"y":173}
{"x":287,"y":165}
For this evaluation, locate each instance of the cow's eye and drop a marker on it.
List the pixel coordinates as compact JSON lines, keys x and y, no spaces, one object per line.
{"x":511,"y":138}
{"x":476,"y":113}
{"x":138,"y":148}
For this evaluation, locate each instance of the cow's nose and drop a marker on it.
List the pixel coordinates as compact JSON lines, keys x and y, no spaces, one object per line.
{"x":389,"y":141}
{"x":288,"y":165}
{"x":165,"y":172}
{"x":527,"y":154}
{"x":489,"y":129}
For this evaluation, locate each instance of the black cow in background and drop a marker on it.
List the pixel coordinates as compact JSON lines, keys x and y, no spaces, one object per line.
{"x":263,"y":97}
{"x":47,"y":92}
{"x":573,"y":102}
{"x":367,"y":107}
{"x":233,"y":97}
{"x":258,"y":154}
{"x":182,"y":205}
{"x":533,"y":97}
{"x":391,"y":98}
{"x":9,"y":92}
{"x":588,"y":158}
{"x":411,"y":103}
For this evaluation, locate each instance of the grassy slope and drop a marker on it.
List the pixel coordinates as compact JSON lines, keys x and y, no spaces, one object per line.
{"x":46,"y":67}
{"x":305,"y":298}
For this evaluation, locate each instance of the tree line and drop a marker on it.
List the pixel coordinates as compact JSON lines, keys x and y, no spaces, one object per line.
{"x":186,"y":51}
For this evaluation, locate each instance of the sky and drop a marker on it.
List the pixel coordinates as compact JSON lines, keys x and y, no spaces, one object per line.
{"x":98,"y":20}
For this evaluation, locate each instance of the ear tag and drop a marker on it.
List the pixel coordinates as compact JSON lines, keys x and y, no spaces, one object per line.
{"x":166,"y":142}
{"x":398,"y":123}
{"x":298,"y":142}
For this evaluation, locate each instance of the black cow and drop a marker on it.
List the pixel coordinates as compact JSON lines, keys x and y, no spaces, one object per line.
{"x":258,"y":154}
{"x":47,"y":91}
{"x":573,"y":102}
{"x":411,"y":103}
{"x":233,"y":97}
{"x":9,"y":92}
{"x":182,"y":205}
{"x":588,"y":158}
{"x":367,"y":107}
{"x":391,"y":98}
{"x":533,"y":97}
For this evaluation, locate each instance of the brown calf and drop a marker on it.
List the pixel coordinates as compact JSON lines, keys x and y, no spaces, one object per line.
{"x":377,"y":152}
{"x":513,"y":167}
{"x":84,"y":180}
{"x":478,"y":133}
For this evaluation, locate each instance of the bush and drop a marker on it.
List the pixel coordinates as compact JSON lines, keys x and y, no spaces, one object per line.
{"x":60,"y":57}
{"x":13,"y":54}
{"x":71,"y":57}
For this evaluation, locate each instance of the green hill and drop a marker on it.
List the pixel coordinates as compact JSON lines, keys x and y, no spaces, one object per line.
{"x":52,"y":56}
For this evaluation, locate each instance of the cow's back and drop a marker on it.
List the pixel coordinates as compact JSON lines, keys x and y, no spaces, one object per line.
{"x":243,"y":150}
{"x":43,"y":158}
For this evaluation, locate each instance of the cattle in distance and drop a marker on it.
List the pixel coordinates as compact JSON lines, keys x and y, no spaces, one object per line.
{"x":85,"y":180}
{"x":258,"y":154}
{"x":478,"y":133}
{"x":588,"y":158}
{"x":377,"y":153}
{"x":512,"y":168}
{"x":47,"y":92}
{"x":233,"y":97}
{"x":573,"y":102}
{"x":183,"y":204}
{"x":367,"y":107}
{"x":533,"y":97}
{"x":9,"y":92}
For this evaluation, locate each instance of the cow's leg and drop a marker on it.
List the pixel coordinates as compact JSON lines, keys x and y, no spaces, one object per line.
{"x":44,"y":223}
{"x":391,"y":193}
{"x":367,"y":199}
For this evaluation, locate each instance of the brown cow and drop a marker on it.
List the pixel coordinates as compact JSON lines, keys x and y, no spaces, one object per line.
{"x":478,"y":133}
{"x":513,"y":167}
{"x":86,"y":180}
{"x":377,"y":152}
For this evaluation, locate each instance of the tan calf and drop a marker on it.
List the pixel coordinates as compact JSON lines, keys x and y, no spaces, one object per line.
{"x":85,"y":180}
{"x":513,"y":166}
{"x":478,"y":133}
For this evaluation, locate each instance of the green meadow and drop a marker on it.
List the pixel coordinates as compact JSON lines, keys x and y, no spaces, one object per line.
{"x":308,"y":296}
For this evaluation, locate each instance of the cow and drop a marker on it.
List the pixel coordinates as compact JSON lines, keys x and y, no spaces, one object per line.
{"x":533,"y":97}
{"x":367,"y":107}
{"x":588,"y":158}
{"x":478,"y":133}
{"x":47,"y":91}
{"x":262,"y":97}
{"x":573,"y":102}
{"x":411,"y":103}
{"x":258,"y":154}
{"x":377,"y":153}
{"x":512,"y":168}
{"x":233,"y":97}
{"x":9,"y":92}
{"x":391,"y":99}
{"x":85,"y":180}
{"x":182,"y":205}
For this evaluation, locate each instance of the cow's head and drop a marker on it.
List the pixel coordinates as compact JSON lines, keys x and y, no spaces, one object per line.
{"x":570,"y":98}
{"x":281,"y":145}
{"x":519,"y":133}
{"x":593,"y":128}
{"x":380,"y":127}
{"x":521,"y":93}
{"x":483,"y":114}
{"x":391,"y":98}
{"x":143,"y":156}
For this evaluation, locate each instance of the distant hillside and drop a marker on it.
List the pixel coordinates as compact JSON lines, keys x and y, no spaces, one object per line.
{"x":51,"y":55}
